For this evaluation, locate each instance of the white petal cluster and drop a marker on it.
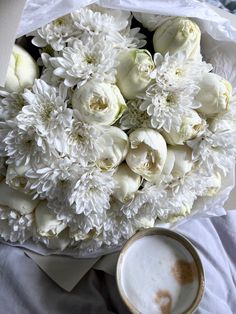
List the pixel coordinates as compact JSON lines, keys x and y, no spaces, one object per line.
{"x":111,"y":138}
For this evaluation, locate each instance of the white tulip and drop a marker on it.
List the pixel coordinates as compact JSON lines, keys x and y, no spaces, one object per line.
{"x":133,"y":72}
{"x":127,"y":183}
{"x":47,"y":224}
{"x":178,"y":35}
{"x":214,"y":186}
{"x":15,"y":176}
{"x":183,"y":160}
{"x":111,"y":155}
{"x":191,"y":126}
{"x":16,"y":200}
{"x":22,"y":70}
{"x":147,"y":154}
{"x":98,"y":103}
{"x":214,"y":95}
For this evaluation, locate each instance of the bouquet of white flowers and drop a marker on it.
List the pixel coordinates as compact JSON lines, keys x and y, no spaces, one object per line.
{"x":111,"y":130}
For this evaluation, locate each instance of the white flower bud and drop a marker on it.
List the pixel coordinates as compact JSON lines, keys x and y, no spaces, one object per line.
{"x":178,"y":35}
{"x":191,"y":126}
{"x":147,"y":154}
{"x":214,"y":95}
{"x":100,"y":103}
{"x":16,"y":200}
{"x":224,"y":121}
{"x":15,"y":176}
{"x":183,"y":160}
{"x":127,"y":183}
{"x":22,"y":70}
{"x":214,"y":185}
{"x":46,"y":222}
{"x":133,"y":72}
{"x":111,"y":155}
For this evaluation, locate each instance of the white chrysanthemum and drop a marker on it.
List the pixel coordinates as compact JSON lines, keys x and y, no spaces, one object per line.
{"x":167,"y":108}
{"x":96,"y":22}
{"x":84,"y":142}
{"x":147,"y":199}
{"x":57,"y":33}
{"x":129,"y":38}
{"x":133,"y":117}
{"x":15,"y":227}
{"x":175,"y":72}
{"x":215,"y":150}
{"x":47,"y":73}
{"x":47,"y":113}
{"x":51,"y":178}
{"x":92,"y":191}
{"x":176,"y":206}
{"x":92,"y":58}
{"x":11,"y":105}
{"x":24,"y":147}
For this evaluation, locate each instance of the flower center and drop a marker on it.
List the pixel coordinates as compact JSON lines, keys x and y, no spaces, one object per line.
{"x":98,"y":104}
{"x":90,"y":59}
{"x":46,"y":112}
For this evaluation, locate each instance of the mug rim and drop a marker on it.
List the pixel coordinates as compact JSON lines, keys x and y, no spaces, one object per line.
{"x":177,"y":237}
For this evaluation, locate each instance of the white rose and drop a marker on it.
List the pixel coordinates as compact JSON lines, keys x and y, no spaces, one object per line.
{"x":16,"y":200}
{"x":178,"y":35}
{"x":214,"y":185}
{"x":47,"y":224}
{"x":183,"y":160}
{"x":22,"y":70}
{"x":147,"y":154}
{"x":15,"y":176}
{"x":214,"y":95}
{"x":127,"y":183}
{"x":111,"y":155}
{"x":133,"y":72}
{"x":100,"y":103}
{"x":191,"y":126}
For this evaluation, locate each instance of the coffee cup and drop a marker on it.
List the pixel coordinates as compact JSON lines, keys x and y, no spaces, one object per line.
{"x":160,"y":271}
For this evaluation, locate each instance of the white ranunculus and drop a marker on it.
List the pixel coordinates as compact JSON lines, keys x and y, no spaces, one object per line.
{"x":133,"y":72}
{"x":127,"y":183}
{"x":214,"y":186}
{"x":110,"y":156}
{"x":214,"y":95}
{"x":178,"y":35}
{"x":16,"y":200}
{"x":183,"y":160}
{"x":98,"y":103}
{"x":147,"y":153}
{"x":22,"y":70}
{"x":191,"y":126}
{"x":15,"y":176}
{"x":47,"y":224}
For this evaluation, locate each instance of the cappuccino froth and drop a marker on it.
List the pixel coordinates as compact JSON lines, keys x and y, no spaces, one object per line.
{"x":158,"y":275}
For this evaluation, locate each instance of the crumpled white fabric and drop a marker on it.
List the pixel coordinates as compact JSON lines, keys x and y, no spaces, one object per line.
{"x":25,"y":288}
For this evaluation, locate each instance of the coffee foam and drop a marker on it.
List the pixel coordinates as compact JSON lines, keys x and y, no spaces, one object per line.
{"x":158,"y":275}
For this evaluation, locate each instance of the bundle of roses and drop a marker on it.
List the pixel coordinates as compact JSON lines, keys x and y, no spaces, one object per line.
{"x":103,"y":137}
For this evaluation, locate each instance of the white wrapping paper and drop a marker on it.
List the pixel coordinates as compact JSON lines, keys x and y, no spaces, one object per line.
{"x":218,"y":47}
